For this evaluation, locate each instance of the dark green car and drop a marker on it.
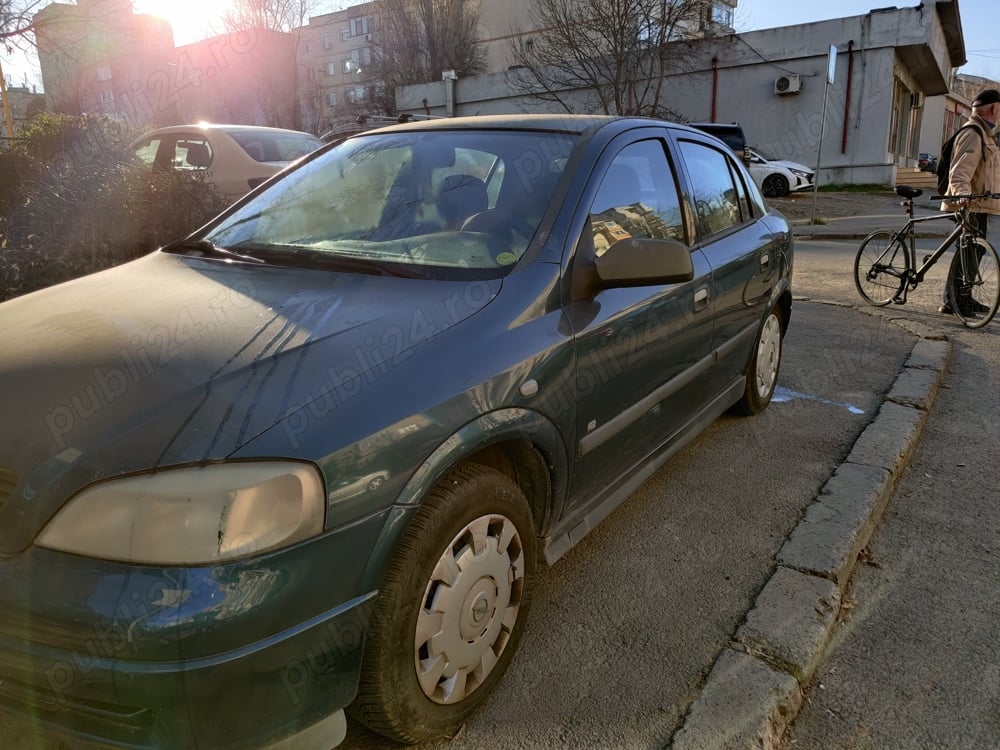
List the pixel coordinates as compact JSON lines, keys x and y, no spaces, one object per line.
{"x":307,"y":459}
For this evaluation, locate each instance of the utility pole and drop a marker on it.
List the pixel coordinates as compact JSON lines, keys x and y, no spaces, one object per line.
{"x":7,"y":114}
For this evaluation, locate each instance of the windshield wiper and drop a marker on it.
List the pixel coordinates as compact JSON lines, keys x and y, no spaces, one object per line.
{"x":304,"y":257}
{"x":207,"y":248}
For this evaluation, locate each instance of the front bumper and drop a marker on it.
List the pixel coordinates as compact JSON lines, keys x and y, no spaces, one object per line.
{"x":197,"y":658}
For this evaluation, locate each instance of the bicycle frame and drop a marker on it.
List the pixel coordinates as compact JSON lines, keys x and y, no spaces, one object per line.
{"x":907,"y":236}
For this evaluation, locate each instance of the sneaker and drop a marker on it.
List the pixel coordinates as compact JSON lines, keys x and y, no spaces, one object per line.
{"x":968,"y":309}
{"x":972,"y":307}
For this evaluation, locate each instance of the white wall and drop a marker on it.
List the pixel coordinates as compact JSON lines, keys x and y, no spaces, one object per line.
{"x":906,"y":44}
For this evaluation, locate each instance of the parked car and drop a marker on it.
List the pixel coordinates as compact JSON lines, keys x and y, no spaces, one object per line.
{"x":927,"y":162}
{"x":234,"y":158}
{"x":730,"y":133}
{"x":308,"y":458}
{"x":779,"y":177}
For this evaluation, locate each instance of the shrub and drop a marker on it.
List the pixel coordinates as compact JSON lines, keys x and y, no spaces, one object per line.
{"x":84,"y":204}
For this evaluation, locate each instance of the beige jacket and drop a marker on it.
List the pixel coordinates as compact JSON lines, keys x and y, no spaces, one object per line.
{"x":973,"y":170}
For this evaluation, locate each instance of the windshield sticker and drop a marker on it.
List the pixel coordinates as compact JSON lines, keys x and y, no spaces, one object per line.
{"x":506,"y":259}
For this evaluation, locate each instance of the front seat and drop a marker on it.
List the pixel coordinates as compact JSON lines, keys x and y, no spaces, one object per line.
{"x":461,"y":196}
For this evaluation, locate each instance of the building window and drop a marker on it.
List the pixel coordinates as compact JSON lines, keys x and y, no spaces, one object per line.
{"x":356,"y":94}
{"x":104,"y":73}
{"x":331,"y":98}
{"x":331,"y":68}
{"x":722,"y":14}
{"x":327,"y":42}
{"x":345,"y":34}
{"x":359,"y":25}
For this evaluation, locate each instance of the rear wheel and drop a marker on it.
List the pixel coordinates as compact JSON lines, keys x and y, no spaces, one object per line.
{"x":881,"y":267}
{"x":451,"y":607}
{"x":762,"y":369}
{"x":974,"y":283}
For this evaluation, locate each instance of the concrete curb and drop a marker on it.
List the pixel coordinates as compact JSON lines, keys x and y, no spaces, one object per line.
{"x":754,"y":689}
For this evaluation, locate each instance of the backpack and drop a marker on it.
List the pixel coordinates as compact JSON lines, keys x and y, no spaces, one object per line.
{"x":944,"y":162}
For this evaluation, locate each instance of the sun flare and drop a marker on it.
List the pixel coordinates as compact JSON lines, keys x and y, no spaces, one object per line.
{"x":191,"y":20}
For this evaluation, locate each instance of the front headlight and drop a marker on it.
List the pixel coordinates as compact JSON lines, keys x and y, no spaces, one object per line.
{"x":192,"y":516}
{"x":799,"y":173}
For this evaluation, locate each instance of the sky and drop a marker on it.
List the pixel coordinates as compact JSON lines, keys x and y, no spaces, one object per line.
{"x":980,"y":19}
{"x":195,"y":19}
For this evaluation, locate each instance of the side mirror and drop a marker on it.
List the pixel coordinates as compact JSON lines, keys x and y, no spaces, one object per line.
{"x":640,"y":261}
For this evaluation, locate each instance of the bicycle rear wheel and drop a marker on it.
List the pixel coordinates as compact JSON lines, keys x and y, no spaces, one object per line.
{"x":974,"y":283}
{"x":881,"y":268}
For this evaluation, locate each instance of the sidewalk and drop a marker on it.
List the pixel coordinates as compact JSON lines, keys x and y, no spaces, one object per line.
{"x":853,"y":216}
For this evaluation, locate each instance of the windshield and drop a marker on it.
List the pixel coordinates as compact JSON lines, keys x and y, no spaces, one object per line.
{"x":764,"y":154}
{"x":268,"y":145}
{"x":435,"y":201}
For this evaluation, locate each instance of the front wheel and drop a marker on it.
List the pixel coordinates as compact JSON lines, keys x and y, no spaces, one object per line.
{"x":762,"y":369}
{"x":774,"y":186}
{"x":451,"y":607}
{"x":973,"y":284}
{"x":881,"y":268}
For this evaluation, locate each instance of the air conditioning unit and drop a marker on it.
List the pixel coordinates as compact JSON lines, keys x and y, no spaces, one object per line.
{"x":788,"y":84}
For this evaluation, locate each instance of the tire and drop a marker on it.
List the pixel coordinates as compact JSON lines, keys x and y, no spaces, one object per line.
{"x":976,"y":305}
{"x":774,"y":186}
{"x":438,"y":649}
{"x":762,"y":369}
{"x":881,"y":267}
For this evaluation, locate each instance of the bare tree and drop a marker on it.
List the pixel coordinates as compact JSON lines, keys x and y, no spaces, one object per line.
{"x":276,"y":15}
{"x":16,"y":27}
{"x":417,"y":40}
{"x":617,"y":53}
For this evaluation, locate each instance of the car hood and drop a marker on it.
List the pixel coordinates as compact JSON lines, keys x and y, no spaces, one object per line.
{"x":789,"y":165}
{"x":170,"y":360}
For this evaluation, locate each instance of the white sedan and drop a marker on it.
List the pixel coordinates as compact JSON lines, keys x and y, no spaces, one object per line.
{"x":234,"y":158}
{"x":777,"y":177}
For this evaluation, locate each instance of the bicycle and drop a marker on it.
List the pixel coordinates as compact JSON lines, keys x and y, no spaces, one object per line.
{"x":885,"y":269}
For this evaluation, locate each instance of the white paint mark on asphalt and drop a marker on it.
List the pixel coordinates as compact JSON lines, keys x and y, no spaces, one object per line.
{"x":784,"y":395}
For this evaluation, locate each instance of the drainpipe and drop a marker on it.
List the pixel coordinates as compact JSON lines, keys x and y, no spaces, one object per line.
{"x":449,"y":77}
{"x":847,"y":98}
{"x":715,"y":84}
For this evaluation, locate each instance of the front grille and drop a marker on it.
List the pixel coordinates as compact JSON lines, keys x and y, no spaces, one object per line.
{"x":8,"y":483}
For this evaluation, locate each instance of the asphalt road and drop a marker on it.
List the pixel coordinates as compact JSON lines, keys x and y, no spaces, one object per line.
{"x":625,"y":627}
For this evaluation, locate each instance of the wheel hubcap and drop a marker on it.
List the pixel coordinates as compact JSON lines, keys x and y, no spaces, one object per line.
{"x":469,"y":609}
{"x":768,"y":356}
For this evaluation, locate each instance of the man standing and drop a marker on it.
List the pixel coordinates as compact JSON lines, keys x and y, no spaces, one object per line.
{"x":975,"y":168}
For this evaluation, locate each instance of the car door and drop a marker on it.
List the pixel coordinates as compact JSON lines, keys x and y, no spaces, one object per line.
{"x":738,"y":248}
{"x":639,"y":349}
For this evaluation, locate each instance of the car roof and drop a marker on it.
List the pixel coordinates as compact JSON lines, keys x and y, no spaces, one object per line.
{"x":222,"y":127}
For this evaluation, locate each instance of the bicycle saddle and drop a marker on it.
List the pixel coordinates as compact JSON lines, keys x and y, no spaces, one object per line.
{"x":905,"y":191}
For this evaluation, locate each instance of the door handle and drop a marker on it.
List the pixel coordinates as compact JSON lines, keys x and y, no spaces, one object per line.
{"x":700,"y":299}
{"x":765,"y":258}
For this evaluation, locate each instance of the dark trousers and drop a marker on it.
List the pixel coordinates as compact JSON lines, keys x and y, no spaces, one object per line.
{"x":966,"y":261}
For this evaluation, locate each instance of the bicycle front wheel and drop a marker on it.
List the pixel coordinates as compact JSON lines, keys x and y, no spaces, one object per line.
{"x":974,"y":283}
{"x":881,"y":268}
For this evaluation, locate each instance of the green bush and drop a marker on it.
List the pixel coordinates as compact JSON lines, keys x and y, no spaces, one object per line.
{"x":82,"y":204}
